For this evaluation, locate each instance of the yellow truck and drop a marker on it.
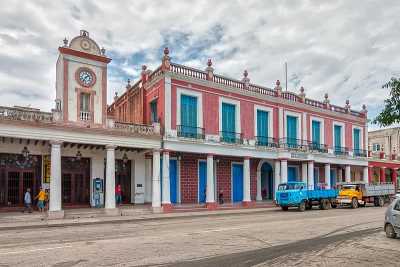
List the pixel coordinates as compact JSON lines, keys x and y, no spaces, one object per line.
{"x":358,"y":194}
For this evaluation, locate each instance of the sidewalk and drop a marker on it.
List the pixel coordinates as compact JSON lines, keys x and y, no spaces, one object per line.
{"x":75,"y":217}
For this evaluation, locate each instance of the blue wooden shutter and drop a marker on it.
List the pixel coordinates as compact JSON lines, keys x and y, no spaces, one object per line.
{"x":153,"y":108}
{"x":188,"y":115}
{"x":316,"y":130}
{"x":262,"y":126}
{"x":338,"y":137}
{"x":356,"y":139}
{"x":291,"y":130}
{"x":292,"y":174}
{"x":228,"y":122}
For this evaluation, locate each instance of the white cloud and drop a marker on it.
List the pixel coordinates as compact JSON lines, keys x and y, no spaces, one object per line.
{"x":345,"y":48}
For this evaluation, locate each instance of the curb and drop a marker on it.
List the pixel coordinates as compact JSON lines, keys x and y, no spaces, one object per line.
{"x":44,"y":226}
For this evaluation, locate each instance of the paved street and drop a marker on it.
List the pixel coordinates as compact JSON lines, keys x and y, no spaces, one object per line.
{"x":341,"y":237}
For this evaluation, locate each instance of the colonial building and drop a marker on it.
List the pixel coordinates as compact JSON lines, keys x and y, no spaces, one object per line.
{"x":232,"y":140}
{"x":384,"y":161}
{"x":76,"y":151}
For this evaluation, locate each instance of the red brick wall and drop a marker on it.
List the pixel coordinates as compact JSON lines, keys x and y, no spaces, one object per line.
{"x":189,"y":178}
{"x":253,"y":178}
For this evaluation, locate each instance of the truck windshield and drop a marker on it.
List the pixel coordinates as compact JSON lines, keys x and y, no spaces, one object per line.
{"x":348,"y":187}
{"x":290,"y":186}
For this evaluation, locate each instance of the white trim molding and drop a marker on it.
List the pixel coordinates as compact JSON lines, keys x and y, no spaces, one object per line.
{"x":298,"y":123}
{"x":270,"y":119}
{"x":187,"y":92}
{"x":167,"y":103}
{"x":343,"y":135}
{"x":321,"y":128}
{"x":237,"y":113}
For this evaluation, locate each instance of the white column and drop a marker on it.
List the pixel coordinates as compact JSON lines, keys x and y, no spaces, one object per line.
{"x":284,"y":177}
{"x":347,"y":174}
{"x":166,"y":194}
{"x":328,"y":175}
{"x":210,"y":194}
{"x":110,"y":177}
{"x":259,"y":196}
{"x":156,"y":197}
{"x":365,"y":174}
{"x":304,"y":173}
{"x":281,"y":123}
{"x":305,"y":128}
{"x":310,"y":175}
{"x":277,"y":176}
{"x":55,"y":180}
{"x":246,"y":180}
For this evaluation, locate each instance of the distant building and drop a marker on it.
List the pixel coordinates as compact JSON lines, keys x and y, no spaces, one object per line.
{"x":384,"y":159}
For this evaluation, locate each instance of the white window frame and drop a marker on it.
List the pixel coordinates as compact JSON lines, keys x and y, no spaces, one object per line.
{"x":343,"y":136}
{"x":199,"y":96}
{"x":362,"y":146}
{"x":293,"y":114}
{"x":376,"y":147}
{"x":321,"y":129}
{"x":270,"y":119}
{"x":237,"y":113}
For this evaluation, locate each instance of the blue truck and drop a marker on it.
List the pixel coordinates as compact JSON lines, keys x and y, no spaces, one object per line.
{"x":296,"y":194}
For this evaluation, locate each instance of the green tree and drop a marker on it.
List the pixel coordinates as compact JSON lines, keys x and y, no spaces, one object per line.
{"x":391,"y":113}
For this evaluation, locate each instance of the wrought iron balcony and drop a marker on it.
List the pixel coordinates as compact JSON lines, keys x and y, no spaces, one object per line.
{"x":293,"y":143}
{"x":360,"y":153}
{"x":317,"y":147}
{"x":341,"y":151}
{"x":266,"y":141}
{"x":231,"y":137}
{"x":190,"y":132}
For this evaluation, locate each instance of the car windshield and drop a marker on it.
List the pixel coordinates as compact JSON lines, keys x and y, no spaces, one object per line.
{"x":290,"y":186}
{"x":349,"y":187}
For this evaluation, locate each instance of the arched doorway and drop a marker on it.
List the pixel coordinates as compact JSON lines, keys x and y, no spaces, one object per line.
{"x":267,"y":181}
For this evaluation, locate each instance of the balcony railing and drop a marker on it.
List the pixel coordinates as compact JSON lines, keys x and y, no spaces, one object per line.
{"x":134,"y":128}
{"x":25,"y":114}
{"x":266,"y":141}
{"x":317,"y":147}
{"x":340,"y":151}
{"x":231,"y":137}
{"x":360,"y":153}
{"x":190,"y":132}
{"x":293,"y":143}
{"x":85,"y":116}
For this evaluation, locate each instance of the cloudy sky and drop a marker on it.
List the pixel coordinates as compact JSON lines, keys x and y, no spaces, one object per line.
{"x":345,"y":48}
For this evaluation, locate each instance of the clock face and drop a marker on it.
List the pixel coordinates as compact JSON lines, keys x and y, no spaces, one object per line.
{"x":85,"y":77}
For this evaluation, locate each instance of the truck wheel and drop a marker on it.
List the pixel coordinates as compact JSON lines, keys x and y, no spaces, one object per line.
{"x":354,"y":203}
{"x":285,"y":208}
{"x":302,"y":206}
{"x":389,"y":230}
{"x":381,"y":201}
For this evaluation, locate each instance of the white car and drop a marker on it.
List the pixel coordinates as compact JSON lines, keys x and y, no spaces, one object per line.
{"x":397,"y":195}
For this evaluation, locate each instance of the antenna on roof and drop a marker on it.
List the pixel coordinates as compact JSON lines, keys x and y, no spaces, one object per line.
{"x":286,"y":75}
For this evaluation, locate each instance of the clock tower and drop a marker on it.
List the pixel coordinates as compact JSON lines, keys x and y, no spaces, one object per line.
{"x":81,"y":82}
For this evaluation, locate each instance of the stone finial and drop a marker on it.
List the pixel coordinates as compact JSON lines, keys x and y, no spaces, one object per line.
{"x":166,"y":60}
{"x":65,"y":41}
{"x":128,"y":85}
{"x":246,"y":80}
{"x":144,"y":67}
{"x":326,"y":100}
{"x":209,"y":70}
{"x":302,"y":95}
{"x":103,"y":51}
{"x":145,"y":74}
{"x":347,"y":106}
{"x":364,"y":110}
{"x":278,"y":88}
{"x":116,"y":96}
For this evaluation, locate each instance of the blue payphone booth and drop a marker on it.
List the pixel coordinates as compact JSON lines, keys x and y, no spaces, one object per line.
{"x":98,"y":192}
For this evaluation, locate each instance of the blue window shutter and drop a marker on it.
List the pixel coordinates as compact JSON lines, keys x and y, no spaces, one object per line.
{"x":356,"y":139}
{"x":262,"y":126}
{"x":228,"y":121}
{"x":188,"y":114}
{"x":338,"y":137}
{"x":316,"y":130}
{"x":291,"y":130}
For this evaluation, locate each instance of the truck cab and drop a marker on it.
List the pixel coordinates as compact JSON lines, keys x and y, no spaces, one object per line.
{"x":351,"y":194}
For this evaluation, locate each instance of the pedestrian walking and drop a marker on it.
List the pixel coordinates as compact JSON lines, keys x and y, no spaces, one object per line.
{"x":118,"y":194}
{"x":41,"y":197}
{"x":27,"y":201}
{"x":221,"y":197}
{"x":46,"y":200}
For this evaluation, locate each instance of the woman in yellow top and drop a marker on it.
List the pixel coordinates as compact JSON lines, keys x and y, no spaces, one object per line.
{"x":41,"y":197}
